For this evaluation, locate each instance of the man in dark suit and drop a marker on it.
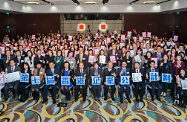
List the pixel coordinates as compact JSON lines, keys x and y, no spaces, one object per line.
{"x":114,"y":52}
{"x":124,"y":71}
{"x":22,"y":52}
{"x":139,"y":84}
{"x":10,"y":69}
{"x":52,"y":71}
{"x":39,"y":58}
{"x":7,"y":58}
{"x":96,"y":71}
{"x":1,"y":59}
{"x":81,"y":71}
{"x":19,"y":59}
{"x":110,"y":71}
{"x":81,"y":57}
{"x":129,"y":41}
{"x":153,"y":84}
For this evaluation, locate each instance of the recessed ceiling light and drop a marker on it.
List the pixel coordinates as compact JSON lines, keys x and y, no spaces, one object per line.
{"x":90,"y":2}
{"x":149,"y":2}
{"x":33,"y":2}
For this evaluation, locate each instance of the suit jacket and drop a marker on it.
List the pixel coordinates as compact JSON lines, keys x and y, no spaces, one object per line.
{"x":19,"y":62}
{"x":41,"y":74}
{"x":4,"y":61}
{"x":125,"y":73}
{"x":37,"y":59}
{"x":111,"y":53}
{"x":84,"y":59}
{"x":85,"y":73}
{"x":127,"y":41}
{"x":56,"y":71}
{"x":107,"y":73}
{"x":92,"y":72}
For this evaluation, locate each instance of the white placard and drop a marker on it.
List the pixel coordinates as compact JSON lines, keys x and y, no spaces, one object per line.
{"x":149,"y":34}
{"x":113,"y":59}
{"x":24,"y":77}
{"x":175,"y":38}
{"x":123,"y":37}
{"x":16,"y":76}
{"x":96,"y":80}
{"x":136,"y":77}
{"x":35,"y":80}
{"x":49,"y":80}
{"x":125,"y":80}
{"x":108,"y":40}
{"x":122,"y":44}
{"x":91,"y":59}
{"x":80,"y":80}
{"x":144,"y":34}
{"x":65,"y":80}
{"x":102,"y":59}
{"x":129,"y":33}
{"x":110,"y":80}
{"x":153,"y":76}
{"x":70,"y":38}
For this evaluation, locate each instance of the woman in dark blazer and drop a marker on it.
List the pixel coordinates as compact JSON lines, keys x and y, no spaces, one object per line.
{"x":22,"y":88}
{"x":127,"y":58}
{"x":66,"y":71}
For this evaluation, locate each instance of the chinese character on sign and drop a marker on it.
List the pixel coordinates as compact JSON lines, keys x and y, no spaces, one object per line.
{"x":153,"y":76}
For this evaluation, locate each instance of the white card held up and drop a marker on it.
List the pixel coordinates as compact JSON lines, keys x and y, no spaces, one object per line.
{"x":16,"y":76}
{"x":35,"y":80}
{"x":136,"y":77}
{"x":129,"y":33}
{"x":123,"y":37}
{"x":113,"y":59}
{"x":102,"y":59}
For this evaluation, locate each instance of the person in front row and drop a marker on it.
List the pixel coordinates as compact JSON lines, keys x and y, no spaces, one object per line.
{"x":52,"y":71}
{"x":38,"y":71}
{"x":66,"y":71}
{"x":81,"y":71}
{"x":124,"y":71}
{"x":96,"y":71}
{"x":110,"y":71}
{"x":10,"y":69}
{"x":139,"y":84}
{"x":182,"y":93}
{"x":154,"y":82}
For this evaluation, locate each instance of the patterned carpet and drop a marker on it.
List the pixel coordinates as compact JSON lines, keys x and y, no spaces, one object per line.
{"x":92,"y":111}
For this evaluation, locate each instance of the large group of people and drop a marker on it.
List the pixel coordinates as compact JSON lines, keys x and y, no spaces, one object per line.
{"x":99,"y":54}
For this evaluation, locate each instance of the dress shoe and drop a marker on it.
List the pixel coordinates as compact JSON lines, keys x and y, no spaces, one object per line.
{"x":54,"y":101}
{"x":152,"y":99}
{"x":105,"y":98}
{"x":137,"y":100}
{"x":44,"y":101}
{"x":129,"y":100}
{"x":121,"y":101}
{"x":158,"y":99}
{"x":98,"y":99}
{"x":84,"y":99}
{"x":113,"y":99}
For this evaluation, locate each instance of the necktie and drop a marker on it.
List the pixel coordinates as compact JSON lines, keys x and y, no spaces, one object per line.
{"x":38,"y":73}
{"x":96,"y":71}
{"x":12,"y":69}
{"x":137,"y":71}
{"x":152,"y":70}
{"x":80,"y":57}
{"x":52,"y":72}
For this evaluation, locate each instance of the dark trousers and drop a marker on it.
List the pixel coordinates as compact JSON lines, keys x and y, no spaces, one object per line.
{"x":46,"y":89}
{"x":122,"y":91}
{"x":113,"y":89}
{"x":22,"y":87}
{"x":182,"y":96}
{"x":154,"y":85}
{"x":142,"y":91}
{"x":66,"y":92}
{"x":15,"y":88}
{"x":96,"y":90}
{"x":84,"y":91}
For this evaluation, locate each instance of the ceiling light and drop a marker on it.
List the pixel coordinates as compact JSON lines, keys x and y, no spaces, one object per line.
{"x":90,"y":2}
{"x":149,"y":2}
{"x":33,"y":2}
